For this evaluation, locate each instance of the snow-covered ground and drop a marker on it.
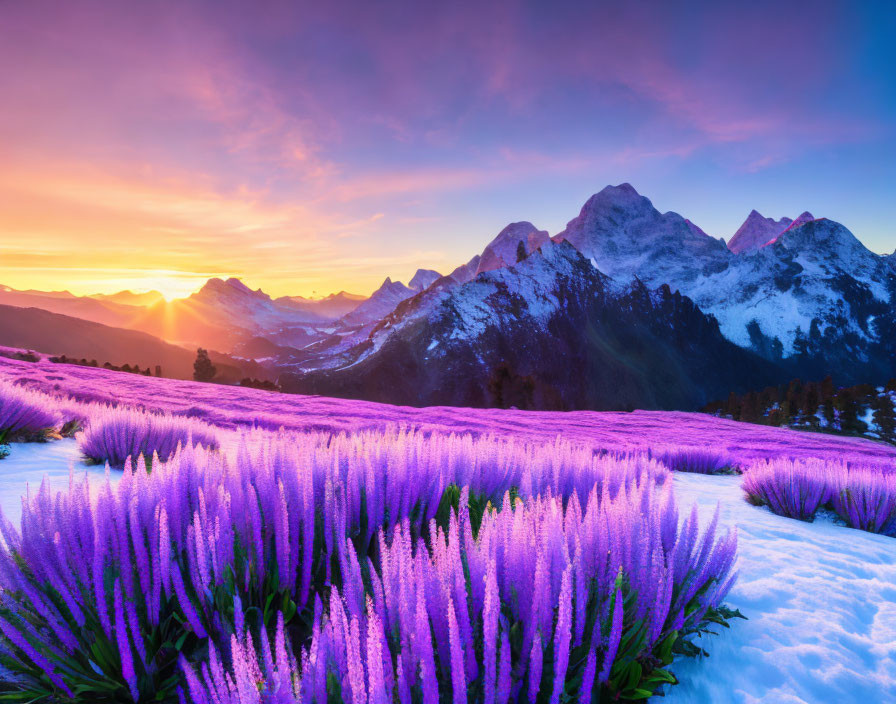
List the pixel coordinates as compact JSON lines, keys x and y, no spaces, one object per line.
{"x":27,"y":465}
{"x":821,"y":603}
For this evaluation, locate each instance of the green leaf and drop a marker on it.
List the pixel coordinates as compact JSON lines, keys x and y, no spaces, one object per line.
{"x":639,"y":694}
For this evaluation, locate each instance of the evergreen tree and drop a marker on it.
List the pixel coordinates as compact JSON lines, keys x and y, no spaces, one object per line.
{"x":750,"y":411}
{"x":826,"y":396}
{"x":809,"y":404}
{"x":790,"y":407}
{"x":885,"y":417}
{"x":846,"y":403}
{"x":203,"y":369}
{"x":767,"y":400}
{"x":732,"y":407}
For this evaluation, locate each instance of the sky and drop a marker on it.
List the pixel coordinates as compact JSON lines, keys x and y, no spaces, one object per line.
{"x":311,"y":147}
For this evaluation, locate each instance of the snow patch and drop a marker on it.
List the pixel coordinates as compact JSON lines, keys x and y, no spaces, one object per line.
{"x":821,"y":604}
{"x":29,"y":463}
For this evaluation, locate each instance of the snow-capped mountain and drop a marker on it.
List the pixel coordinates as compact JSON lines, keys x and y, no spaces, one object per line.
{"x":233,"y":302}
{"x":515,"y":240}
{"x":381,"y":303}
{"x":812,"y":280}
{"x":804,"y":294}
{"x":222,"y":314}
{"x":549,"y":331}
{"x":626,"y":237}
{"x":384,"y":300}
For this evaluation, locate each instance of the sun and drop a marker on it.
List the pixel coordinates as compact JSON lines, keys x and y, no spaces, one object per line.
{"x":171,"y":287}
{"x":171,"y":284}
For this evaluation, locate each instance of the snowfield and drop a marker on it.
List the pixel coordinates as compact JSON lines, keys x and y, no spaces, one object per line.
{"x":821,"y":604}
{"x":29,"y":463}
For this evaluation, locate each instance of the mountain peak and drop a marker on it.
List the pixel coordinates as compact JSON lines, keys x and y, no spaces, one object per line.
{"x":758,"y":231}
{"x":625,"y":188}
{"x":423,"y":279}
{"x":803,"y":218}
{"x":504,"y":250}
{"x":233,"y":282}
{"x":622,"y":198}
{"x":625,"y":236}
{"x":231,"y":289}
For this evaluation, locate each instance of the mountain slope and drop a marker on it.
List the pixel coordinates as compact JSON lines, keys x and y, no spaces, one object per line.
{"x":51,"y":333}
{"x":549,"y":332}
{"x":380,"y":304}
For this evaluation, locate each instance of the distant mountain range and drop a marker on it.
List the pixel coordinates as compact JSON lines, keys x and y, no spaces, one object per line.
{"x":626,"y":307}
{"x":803,"y":297}
{"x":54,"y":334}
{"x":548,"y":332}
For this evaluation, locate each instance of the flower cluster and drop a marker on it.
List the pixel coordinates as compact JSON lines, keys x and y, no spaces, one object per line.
{"x":699,"y":460}
{"x":543,"y":603}
{"x":863,"y":496}
{"x":25,"y":413}
{"x":120,"y":595}
{"x":235,"y":407}
{"x":115,"y":434}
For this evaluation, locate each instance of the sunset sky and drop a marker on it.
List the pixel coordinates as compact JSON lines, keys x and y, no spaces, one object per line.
{"x":313,"y":147}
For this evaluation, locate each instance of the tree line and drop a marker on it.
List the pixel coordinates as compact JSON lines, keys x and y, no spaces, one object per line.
{"x":131,"y":369}
{"x":817,"y":405}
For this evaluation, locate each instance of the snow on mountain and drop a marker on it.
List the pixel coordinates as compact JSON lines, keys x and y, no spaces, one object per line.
{"x":423,"y":279}
{"x":505,"y":250}
{"x":233,"y":299}
{"x":627,"y":238}
{"x":697,"y":230}
{"x":380,"y":304}
{"x":385,"y":299}
{"x":502,"y":251}
{"x":813,"y":273}
{"x":221,"y":315}
{"x":516,"y":332}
